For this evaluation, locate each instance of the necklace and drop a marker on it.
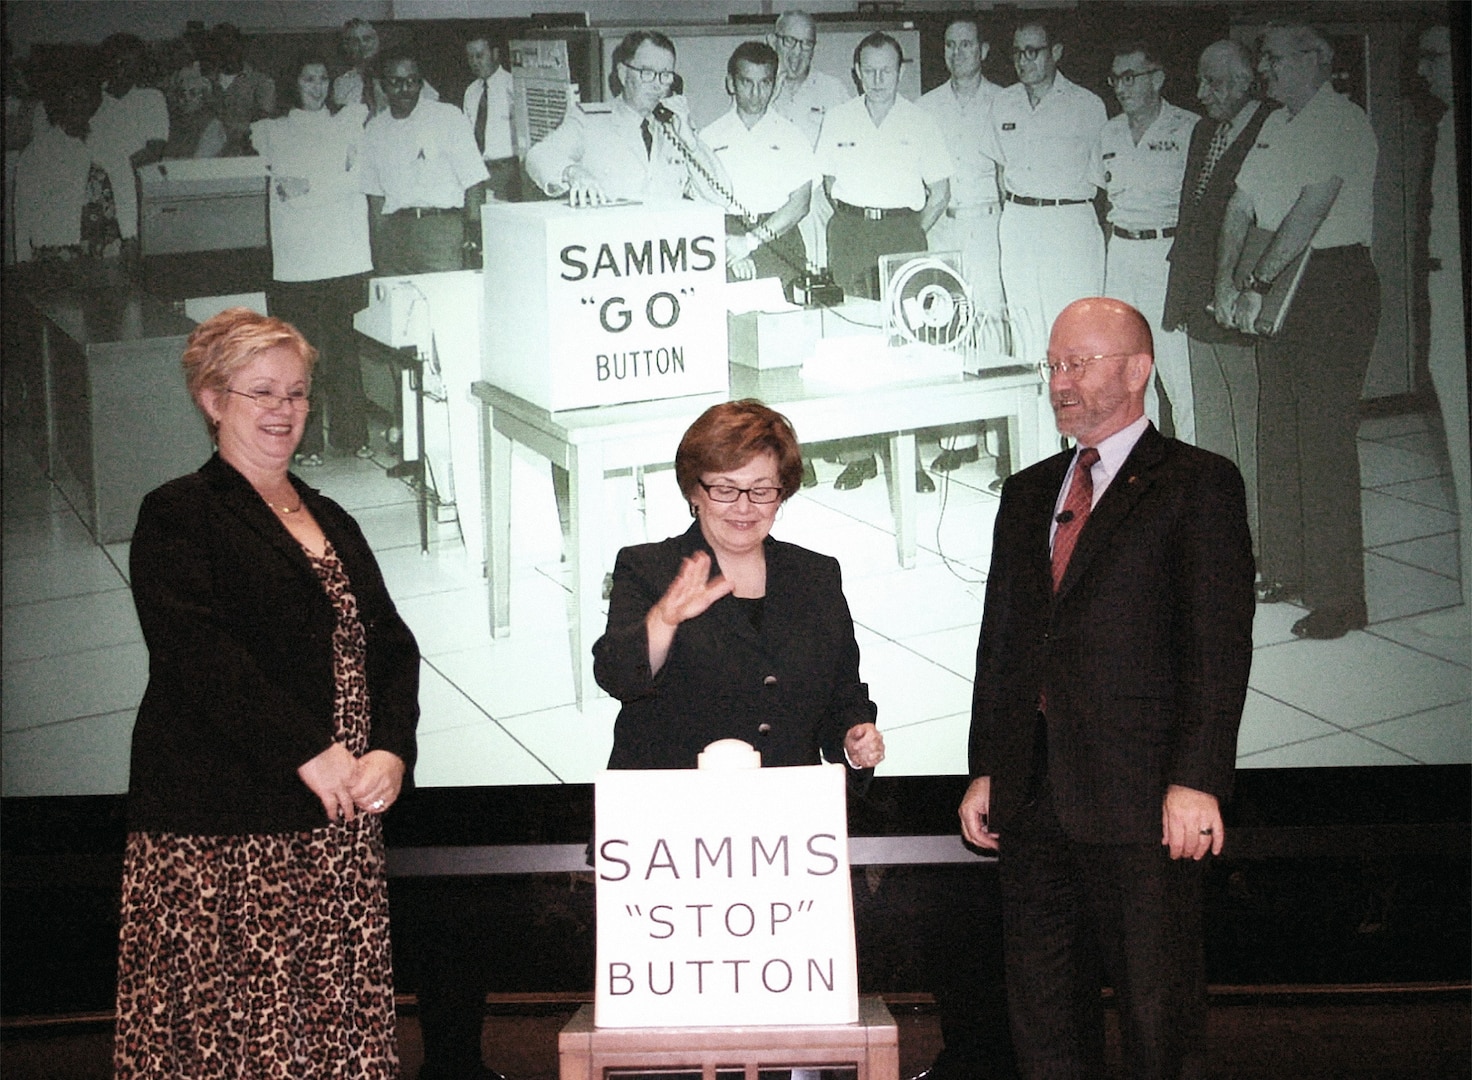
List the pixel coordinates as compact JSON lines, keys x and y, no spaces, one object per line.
{"x":283,"y":510}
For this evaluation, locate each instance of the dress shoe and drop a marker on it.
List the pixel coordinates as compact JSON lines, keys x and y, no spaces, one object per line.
{"x":1326,"y":624}
{"x":1275,"y":592}
{"x":809,"y":475}
{"x":855,"y":473}
{"x":923,"y":483}
{"x":949,"y":460}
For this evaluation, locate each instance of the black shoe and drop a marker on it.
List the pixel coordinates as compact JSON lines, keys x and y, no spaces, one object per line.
{"x":1326,"y":624}
{"x":995,"y":487}
{"x":923,"y":483}
{"x":809,"y":475}
{"x":949,"y":460}
{"x":855,"y":473}
{"x":1275,"y":592}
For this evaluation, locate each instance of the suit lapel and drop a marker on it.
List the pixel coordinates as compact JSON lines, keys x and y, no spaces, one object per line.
{"x":1038,"y":503}
{"x":245,"y":502}
{"x":1131,"y":482}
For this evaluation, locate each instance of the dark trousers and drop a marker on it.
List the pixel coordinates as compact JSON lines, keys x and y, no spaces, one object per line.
{"x":1311,"y":378}
{"x":405,"y":244}
{"x":1075,"y":914}
{"x":785,"y":258}
{"x":323,"y":311}
{"x":855,"y":244}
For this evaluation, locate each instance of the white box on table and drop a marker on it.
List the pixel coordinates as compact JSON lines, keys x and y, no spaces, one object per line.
{"x":602,"y":306}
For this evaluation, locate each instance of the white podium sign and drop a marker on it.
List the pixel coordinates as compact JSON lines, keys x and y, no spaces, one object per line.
{"x":724,"y":899}
{"x":604,"y":306}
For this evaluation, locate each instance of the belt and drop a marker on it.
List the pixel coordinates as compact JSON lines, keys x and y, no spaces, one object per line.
{"x":1143,"y":234}
{"x":1028,"y":200}
{"x":873,"y":213}
{"x":972,"y":211}
{"x":425,"y":211}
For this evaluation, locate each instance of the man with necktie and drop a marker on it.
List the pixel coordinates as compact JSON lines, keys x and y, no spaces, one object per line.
{"x":1111,"y":672}
{"x":1223,"y":361}
{"x":487,"y":106}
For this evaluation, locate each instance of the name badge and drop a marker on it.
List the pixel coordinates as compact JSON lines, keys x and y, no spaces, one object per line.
{"x":1109,"y":155}
{"x":1009,"y":126}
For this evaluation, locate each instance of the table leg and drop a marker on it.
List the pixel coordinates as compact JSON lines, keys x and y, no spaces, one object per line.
{"x":900,"y":476}
{"x":496,"y":508}
{"x":585,"y":506}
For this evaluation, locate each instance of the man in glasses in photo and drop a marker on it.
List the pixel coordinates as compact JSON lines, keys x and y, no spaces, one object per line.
{"x":643,"y":148}
{"x":804,"y":95}
{"x":1043,"y":134}
{"x":1142,"y":155}
{"x":419,"y":159}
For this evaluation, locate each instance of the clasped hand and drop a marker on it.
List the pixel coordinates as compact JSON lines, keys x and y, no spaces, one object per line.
{"x":346,"y":784}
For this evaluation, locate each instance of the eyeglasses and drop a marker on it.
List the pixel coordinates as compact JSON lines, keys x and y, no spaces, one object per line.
{"x":1126,"y":79}
{"x":395,"y":82}
{"x":651,"y":75}
{"x":788,"y":42}
{"x":1274,"y":59}
{"x":727,"y":493}
{"x":1073,"y":365}
{"x":264,"y":399}
{"x":1030,"y":53}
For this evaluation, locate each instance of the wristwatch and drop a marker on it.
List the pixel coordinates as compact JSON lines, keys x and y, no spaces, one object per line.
{"x":1256,"y":284}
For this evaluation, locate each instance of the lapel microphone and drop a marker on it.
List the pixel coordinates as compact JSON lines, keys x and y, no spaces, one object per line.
{"x":1064,"y":518}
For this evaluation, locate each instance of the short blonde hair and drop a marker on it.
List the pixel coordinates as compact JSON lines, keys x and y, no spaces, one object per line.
{"x":224,"y":343}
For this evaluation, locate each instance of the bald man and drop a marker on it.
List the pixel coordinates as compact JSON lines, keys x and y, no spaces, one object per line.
{"x":1110,"y":676}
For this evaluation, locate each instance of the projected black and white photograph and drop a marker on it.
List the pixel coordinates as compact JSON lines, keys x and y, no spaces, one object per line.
{"x":502,"y":388}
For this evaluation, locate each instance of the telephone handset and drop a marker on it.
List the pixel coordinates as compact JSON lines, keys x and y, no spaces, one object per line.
{"x":666,"y":116}
{"x":663,"y":114}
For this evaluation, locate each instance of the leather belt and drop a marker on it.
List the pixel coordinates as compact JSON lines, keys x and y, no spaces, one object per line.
{"x":1028,"y":200}
{"x":873,"y":213}
{"x":425,"y":211}
{"x":1143,"y":234}
{"x":972,"y":211}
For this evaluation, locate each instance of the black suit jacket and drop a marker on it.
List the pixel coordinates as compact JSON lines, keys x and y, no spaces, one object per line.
{"x":1144,"y":651}
{"x":1192,"y":282}
{"x":798,"y":676}
{"x":240,"y":683}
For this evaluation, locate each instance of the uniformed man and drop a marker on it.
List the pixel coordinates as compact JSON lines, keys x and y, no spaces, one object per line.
{"x":1142,"y":154}
{"x":1043,"y":134}
{"x":1223,"y":361}
{"x":771,"y":167}
{"x":886,"y":170}
{"x":961,"y":107}
{"x":1309,"y":180}
{"x":419,"y":159}
{"x":629,"y":152}
{"x":804,"y":95}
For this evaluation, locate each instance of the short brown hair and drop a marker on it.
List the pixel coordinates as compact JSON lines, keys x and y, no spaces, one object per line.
{"x":728,"y":435}
{"x":224,"y":343}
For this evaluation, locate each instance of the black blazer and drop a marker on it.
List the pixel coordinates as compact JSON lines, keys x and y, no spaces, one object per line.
{"x":1144,"y":652}
{"x":239,"y":632}
{"x":791,"y":690}
{"x":1192,"y":283}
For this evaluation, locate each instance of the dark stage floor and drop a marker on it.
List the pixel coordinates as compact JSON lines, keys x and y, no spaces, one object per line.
{"x":1376,"y":1035}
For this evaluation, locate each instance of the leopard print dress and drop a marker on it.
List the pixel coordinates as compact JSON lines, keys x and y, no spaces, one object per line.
{"x":265,"y":956}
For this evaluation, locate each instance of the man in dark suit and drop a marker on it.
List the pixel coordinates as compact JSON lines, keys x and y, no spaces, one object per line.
{"x":1223,"y":361}
{"x":1109,"y":686}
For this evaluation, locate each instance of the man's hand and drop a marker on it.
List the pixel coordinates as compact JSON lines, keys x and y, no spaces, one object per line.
{"x":1246,"y":312}
{"x":864,"y":746}
{"x":1190,"y":823}
{"x":583,"y":188}
{"x":975,"y":806}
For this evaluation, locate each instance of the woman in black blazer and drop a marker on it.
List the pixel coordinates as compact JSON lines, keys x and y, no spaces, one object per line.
{"x":277,"y":726}
{"x":724,"y":632}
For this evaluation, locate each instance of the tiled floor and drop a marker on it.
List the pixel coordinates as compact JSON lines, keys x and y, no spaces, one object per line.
{"x":501,"y":711}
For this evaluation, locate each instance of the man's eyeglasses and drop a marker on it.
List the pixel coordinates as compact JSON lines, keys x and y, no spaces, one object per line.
{"x":1073,"y":365}
{"x":1126,"y":79}
{"x":651,"y":75}
{"x":264,"y":399}
{"x":1274,"y":59}
{"x":788,"y":42}
{"x":727,"y":493}
{"x":398,"y":82}
{"x":1030,"y":53}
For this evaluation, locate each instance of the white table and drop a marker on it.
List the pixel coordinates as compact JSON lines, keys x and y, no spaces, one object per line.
{"x":589,"y":443}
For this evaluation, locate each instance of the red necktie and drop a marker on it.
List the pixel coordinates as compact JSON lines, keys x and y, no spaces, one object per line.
{"x":1075,"y":512}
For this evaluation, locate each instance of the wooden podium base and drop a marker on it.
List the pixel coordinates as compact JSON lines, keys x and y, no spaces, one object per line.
{"x":871,"y":1047}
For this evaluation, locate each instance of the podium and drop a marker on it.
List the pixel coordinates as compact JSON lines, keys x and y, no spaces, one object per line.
{"x":870,"y":1047}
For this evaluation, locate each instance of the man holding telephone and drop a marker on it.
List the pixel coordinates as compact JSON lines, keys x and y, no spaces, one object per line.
{"x":645,"y":148}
